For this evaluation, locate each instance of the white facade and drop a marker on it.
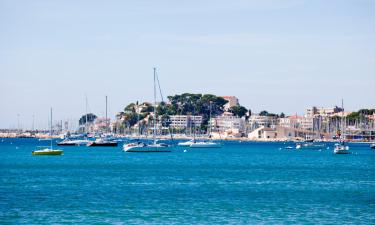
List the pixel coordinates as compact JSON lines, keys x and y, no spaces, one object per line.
{"x":298,"y":122}
{"x":307,"y":123}
{"x":184,"y":121}
{"x":225,"y":123}
{"x":263,"y":133}
{"x":256,"y":121}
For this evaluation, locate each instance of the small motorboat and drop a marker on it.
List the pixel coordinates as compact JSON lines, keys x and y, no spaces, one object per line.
{"x":372,"y":146}
{"x":341,"y":148}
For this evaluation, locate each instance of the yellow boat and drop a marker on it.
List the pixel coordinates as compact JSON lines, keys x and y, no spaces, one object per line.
{"x":48,"y":151}
{"x":42,"y":150}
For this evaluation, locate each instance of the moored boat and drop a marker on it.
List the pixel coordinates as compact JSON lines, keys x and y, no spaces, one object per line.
{"x":142,"y":147}
{"x":310,"y":145}
{"x":186,"y":143}
{"x":154,"y":147}
{"x":205,"y":144}
{"x":341,"y":148}
{"x":372,"y":146}
{"x":68,"y":142}
{"x":102,"y":143}
{"x":45,"y":150}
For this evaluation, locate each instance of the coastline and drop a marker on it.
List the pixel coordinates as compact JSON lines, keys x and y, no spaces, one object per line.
{"x":176,"y":137}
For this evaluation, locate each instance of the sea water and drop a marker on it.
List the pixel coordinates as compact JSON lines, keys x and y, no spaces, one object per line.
{"x":240,"y":183}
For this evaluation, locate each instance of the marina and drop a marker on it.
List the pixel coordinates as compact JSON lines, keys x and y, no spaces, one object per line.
{"x":187,"y":112}
{"x":245,"y":182}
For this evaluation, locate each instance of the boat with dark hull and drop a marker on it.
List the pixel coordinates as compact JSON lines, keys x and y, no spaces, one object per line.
{"x":102,"y":143}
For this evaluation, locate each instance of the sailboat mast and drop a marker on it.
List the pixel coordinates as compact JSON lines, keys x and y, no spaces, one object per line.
{"x":86,"y":116}
{"x":139,"y":127}
{"x":342,"y":119}
{"x":106,"y":114}
{"x":209,"y":120}
{"x":51,"y":128}
{"x":154,"y":133}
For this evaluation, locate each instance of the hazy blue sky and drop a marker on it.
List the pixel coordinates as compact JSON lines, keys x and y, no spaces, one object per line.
{"x":282,"y":56}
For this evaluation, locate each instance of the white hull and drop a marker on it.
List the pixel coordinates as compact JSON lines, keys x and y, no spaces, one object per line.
{"x":310,"y":146}
{"x":186,"y":144}
{"x":205,"y":145}
{"x":80,"y":142}
{"x":341,"y":149}
{"x":141,"y":147}
{"x":74,"y":142}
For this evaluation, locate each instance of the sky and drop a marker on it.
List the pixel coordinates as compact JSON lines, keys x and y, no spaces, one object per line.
{"x":279,"y":56}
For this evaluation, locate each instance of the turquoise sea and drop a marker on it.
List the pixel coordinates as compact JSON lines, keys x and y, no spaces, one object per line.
{"x":241,"y":183}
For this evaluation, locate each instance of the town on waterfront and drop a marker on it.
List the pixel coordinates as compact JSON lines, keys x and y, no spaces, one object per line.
{"x":206,"y":116}
{"x":187,"y":112}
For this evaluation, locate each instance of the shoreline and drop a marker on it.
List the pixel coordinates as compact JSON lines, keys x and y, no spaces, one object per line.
{"x":177,"y":137}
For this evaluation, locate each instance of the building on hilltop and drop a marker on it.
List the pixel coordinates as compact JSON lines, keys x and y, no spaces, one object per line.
{"x":232,"y":101}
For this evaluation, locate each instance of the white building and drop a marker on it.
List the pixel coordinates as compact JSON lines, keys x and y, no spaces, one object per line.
{"x":298,"y":122}
{"x":263,"y":133}
{"x":228,"y":123}
{"x":185,"y":121}
{"x":307,"y":123}
{"x":256,"y":121}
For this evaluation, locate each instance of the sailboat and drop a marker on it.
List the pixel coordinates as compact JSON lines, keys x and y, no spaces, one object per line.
{"x":206,"y":144}
{"x":45,"y":150}
{"x":77,"y":142}
{"x":190,"y":142}
{"x":341,"y":148}
{"x":143,"y":147}
{"x":105,"y":141}
{"x":187,"y":143}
